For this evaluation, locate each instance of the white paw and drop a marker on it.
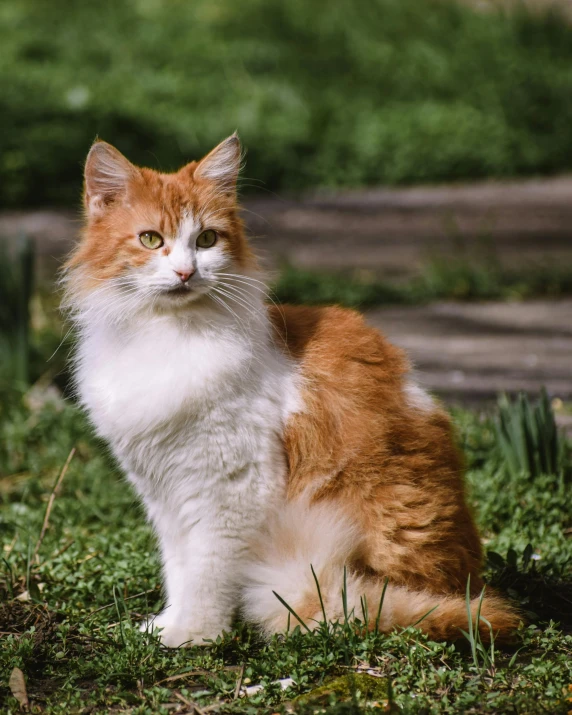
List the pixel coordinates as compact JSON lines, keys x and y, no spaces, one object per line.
{"x":172,"y":634}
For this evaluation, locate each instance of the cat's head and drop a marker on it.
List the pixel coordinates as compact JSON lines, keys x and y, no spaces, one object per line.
{"x":160,"y":241}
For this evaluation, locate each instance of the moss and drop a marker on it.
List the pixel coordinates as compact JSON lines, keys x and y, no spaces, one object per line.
{"x":346,"y":687}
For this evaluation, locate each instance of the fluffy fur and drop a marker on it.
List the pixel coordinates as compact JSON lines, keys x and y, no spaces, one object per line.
{"x":263,"y":441}
{"x":305,"y":543}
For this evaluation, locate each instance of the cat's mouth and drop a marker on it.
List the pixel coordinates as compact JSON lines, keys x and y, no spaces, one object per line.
{"x":181,"y":291}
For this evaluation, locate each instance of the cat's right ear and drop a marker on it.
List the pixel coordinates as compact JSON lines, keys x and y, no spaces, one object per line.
{"x":107,"y":175}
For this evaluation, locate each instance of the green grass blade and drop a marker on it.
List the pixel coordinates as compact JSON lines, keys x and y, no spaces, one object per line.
{"x":345,"y":594}
{"x":292,"y":611}
{"x":319,"y":594}
{"x":380,"y":607}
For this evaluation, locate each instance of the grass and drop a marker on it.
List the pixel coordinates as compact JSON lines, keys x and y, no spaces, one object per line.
{"x":69,"y":614}
{"x":458,"y":277}
{"x":15,"y":294}
{"x":336,"y":93}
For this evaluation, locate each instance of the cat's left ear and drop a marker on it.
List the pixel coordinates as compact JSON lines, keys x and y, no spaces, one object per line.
{"x":222,"y":164}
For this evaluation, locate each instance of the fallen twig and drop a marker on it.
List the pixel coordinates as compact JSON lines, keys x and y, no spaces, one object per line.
{"x":51,"y":503}
{"x":171,"y":678}
{"x":239,"y":683}
{"x":11,"y":545}
{"x":184,"y":700}
{"x":129,"y":598}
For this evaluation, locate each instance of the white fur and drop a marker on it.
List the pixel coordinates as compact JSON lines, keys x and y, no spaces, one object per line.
{"x":296,"y":539}
{"x":418,"y":398}
{"x":192,"y":396}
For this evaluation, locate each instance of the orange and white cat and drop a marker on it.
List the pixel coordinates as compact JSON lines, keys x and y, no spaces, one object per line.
{"x":263,"y":441}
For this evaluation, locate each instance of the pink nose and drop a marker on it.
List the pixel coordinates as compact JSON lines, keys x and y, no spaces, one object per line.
{"x":184,"y":275}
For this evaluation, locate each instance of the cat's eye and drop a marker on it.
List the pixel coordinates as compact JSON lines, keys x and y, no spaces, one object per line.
{"x":151,"y":239}
{"x":206,"y":239}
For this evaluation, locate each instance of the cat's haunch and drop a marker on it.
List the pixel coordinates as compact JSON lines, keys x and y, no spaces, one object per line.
{"x":269,"y":444}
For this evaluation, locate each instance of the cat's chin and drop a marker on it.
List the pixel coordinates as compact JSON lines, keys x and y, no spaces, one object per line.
{"x":179,"y":292}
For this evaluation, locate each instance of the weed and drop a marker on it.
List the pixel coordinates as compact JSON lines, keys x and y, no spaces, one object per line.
{"x":528,"y":438}
{"x":459,"y":277}
{"x":483,"y":656}
{"x":15,"y":293}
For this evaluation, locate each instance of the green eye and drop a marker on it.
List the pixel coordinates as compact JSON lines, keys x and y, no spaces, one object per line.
{"x":206,"y":239}
{"x":151,"y":239}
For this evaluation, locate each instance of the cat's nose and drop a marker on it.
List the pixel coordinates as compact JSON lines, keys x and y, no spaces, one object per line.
{"x":184,"y":275}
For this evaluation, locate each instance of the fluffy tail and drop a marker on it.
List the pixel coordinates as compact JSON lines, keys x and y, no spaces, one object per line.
{"x":319,"y":537}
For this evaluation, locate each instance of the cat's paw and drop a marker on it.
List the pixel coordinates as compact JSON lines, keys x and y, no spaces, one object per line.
{"x":165,"y":627}
{"x":172,"y":634}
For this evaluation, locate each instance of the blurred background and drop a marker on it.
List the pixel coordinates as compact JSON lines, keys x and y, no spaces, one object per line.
{"x":408,"y":157}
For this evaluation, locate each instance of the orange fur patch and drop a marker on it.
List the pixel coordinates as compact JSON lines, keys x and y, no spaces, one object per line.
{"x":359,"y":443}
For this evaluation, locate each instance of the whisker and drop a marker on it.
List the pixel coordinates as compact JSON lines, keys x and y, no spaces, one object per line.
{"x":267,"y":292}
{"x":240,"y":300}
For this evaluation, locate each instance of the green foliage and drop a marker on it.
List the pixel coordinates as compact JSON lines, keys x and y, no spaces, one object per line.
{"x":483,"y":656}
{"x":33,"y":344}
{"x":459,"y":277}
{"x":302,"y":286}
{"x":528,"y":438}
{"x":519,"y":511}
{"x":336,"y":93}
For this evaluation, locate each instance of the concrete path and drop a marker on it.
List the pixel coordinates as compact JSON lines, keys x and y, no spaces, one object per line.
{"x":468,"y":354}
{"x":474,"y":351}
{"x":394,"y":231}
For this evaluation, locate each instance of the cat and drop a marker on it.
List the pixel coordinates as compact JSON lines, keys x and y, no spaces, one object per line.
{"x":271,"y":445}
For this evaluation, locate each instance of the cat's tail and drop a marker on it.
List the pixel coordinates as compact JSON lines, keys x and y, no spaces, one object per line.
{"x":309,"y":545}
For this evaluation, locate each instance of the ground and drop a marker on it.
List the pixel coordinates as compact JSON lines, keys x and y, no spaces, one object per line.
{"x":71,"y":601}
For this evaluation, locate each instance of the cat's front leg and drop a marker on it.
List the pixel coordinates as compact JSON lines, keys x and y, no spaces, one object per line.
{"x":199,"y":566}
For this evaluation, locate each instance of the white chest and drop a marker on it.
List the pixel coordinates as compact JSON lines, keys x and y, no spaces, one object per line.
{"x":190,"y":415}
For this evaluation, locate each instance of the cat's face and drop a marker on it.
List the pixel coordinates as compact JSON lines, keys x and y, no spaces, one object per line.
{"x":161,"y":240}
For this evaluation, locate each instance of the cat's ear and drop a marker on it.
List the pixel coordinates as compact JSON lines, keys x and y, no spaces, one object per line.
{"x":222,"y":164}
{"x":107,"y":175}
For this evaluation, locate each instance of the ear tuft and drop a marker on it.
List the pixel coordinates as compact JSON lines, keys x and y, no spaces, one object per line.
{"x":222,"y":164}
{"x":107,"y":174}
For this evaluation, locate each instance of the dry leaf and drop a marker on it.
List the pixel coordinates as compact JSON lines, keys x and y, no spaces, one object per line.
{"x":18,"y":687}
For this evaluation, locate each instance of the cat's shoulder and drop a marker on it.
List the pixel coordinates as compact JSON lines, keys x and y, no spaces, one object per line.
{"x":333,"y":334}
